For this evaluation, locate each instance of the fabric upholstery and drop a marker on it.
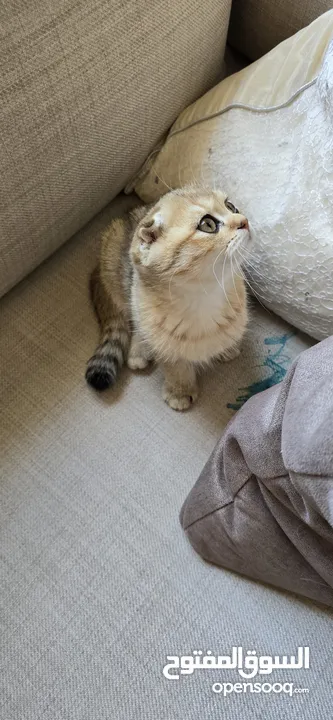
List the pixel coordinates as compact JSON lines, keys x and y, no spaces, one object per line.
{"x":256,"y":26}
{"x":86,"y":90}
{"x":263,"y":503}
{"x":98,"y":582}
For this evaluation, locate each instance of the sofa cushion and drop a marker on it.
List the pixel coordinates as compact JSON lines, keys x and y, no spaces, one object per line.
{"x":86,"y":90}
{"x":265,"y":135}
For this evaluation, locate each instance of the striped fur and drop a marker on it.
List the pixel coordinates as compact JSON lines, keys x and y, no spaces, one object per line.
{"x":111,"y":353}
{"x":109,"y":357}
{"x":110,"y":287}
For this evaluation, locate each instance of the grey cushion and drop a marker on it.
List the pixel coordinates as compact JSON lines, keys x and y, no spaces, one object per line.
{"x":263,"y":504}
{"x":86,"y":90}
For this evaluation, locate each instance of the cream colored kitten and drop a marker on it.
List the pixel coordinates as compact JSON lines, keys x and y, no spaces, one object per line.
{"x":165,"y":290}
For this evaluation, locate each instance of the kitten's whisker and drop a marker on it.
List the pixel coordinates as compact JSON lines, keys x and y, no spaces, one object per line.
{"x":214,"y":273}
{"x":191,"y":167}
{"x":247,"y":250}
{"x":203,"y":181}
{"x":233,"y":279}
{"x":229,"y":303}
{"x":246,"y":262}
{"x":247,"y":257}
{"x":238,"y":267}
{"x":255,"y":294}
{"x":255,"y":272}
{"x":189,"y":200}
{"x":179,"y":155}
{"x":163,"y":181}
{"x":182,"y":182}
{"x":174,"y":189}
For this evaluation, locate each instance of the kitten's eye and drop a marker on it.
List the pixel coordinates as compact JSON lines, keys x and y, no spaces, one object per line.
{"x":231,"y":207}
{"x":208,"y":224}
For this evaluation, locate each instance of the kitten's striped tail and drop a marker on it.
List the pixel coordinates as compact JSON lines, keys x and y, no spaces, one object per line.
{"x":104,"y":366}
{"x":109,"y":357}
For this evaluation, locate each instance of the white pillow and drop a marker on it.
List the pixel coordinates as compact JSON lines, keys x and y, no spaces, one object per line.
{"x":265,"y":136}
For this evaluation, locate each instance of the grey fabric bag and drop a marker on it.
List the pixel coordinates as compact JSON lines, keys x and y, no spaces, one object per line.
{"x":263,"y":505}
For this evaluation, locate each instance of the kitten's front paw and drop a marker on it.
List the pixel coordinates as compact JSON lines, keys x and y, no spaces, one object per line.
{"x":137,"y":362}
{"x":178,"y":401}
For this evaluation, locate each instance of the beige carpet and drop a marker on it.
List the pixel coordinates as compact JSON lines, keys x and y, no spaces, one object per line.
{"x":98,"y":582}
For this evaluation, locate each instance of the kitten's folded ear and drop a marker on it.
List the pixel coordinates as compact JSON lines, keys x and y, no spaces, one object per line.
{"x":151,"y":229}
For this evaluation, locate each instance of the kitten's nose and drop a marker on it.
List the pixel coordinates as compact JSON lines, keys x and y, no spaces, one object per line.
{"x":244,"y":224}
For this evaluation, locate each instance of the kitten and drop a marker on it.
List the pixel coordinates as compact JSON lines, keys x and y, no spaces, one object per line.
{"x":165,"y":290}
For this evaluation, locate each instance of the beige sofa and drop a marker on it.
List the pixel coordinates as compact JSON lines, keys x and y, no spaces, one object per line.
{"x":98,"y":583}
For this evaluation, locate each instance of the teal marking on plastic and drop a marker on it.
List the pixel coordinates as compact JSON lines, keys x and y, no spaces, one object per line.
{"x":277,"y":362}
